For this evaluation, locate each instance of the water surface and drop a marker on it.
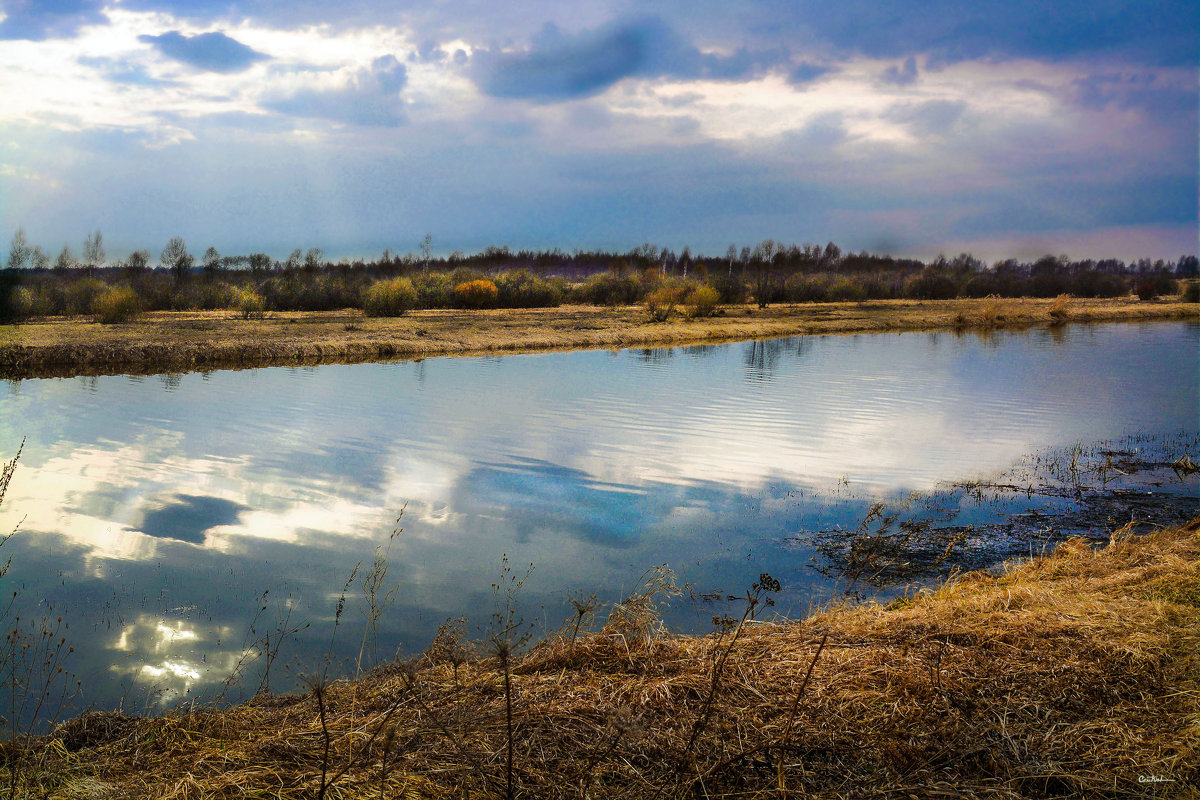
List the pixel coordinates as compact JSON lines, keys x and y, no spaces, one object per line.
{"x":158,"y":510}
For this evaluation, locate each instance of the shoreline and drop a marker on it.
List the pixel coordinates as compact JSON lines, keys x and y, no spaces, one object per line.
{"x":1071,"y":673}
{"x":181,"y":341}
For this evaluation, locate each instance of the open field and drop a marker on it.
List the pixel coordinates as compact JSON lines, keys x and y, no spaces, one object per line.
{"x":1072,"y":675}
{"x":182,"y":341}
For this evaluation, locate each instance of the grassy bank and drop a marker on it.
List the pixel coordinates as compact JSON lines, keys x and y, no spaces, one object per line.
{"x":181,"y":341}
{"x":1073,"y":675}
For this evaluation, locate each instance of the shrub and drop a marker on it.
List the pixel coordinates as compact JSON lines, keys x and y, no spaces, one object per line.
{"x":250,"y":303}
{"x":931,"y":285}
{"x":434,"y":290}
{"x":661,"y":302}
{"x":117,"y":304}
{"x":730,"y":289}
{"x":1191,"y":292}
{"x":521,"y":289}
{"x":476,"y":294}
{"x":22,"y":305}
{"x":702,"y":301}
{"x":611,"y":289}
{"x":81,"y":295}
{"x":844,"y":289}
{"x":1153,"y":284}
{"x":1146,"y":290}
{"x":389,"y":298}
{"x":806,"y":289}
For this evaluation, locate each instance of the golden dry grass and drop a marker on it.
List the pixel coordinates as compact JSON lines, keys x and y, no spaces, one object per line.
{"x":1073,"y":675}
{"x":181,"y":341}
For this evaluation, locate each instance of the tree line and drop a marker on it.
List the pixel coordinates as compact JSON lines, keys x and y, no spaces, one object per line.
{"x":33,"y":285}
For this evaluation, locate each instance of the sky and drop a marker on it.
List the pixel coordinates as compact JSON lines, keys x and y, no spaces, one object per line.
{"x":1007,"y":129}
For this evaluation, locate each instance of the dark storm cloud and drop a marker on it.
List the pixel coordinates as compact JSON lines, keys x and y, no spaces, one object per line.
{"x":950,"y":30}
{"x":372,"y":97}
{"x":38,"y":20}
{"x":903,"y":75}
{"x":807,"y":72}
{"x":213,"y":52}
{"x":561,"y":66}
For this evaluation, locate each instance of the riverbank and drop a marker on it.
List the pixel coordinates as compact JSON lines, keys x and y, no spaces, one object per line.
{"x":187,"y":341}
{"x":1074,"y":674}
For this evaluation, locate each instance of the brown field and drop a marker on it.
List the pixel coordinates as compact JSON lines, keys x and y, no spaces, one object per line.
{"x":1072,"y":675}
{"x":182,"y":341}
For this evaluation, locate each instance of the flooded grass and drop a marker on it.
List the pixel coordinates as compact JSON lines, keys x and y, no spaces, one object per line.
{"x":1072,"y":674}
{"x":182,"y":341}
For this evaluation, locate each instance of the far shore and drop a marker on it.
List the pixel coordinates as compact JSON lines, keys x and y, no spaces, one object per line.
{"x":198,"y":341}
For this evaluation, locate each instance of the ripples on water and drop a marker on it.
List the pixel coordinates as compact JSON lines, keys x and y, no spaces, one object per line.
{"x":158,"y":509}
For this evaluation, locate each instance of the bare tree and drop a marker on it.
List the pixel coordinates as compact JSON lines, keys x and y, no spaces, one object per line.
{"x":176,"y":258}
{"x":18,"y":251}
{"x":314,"y":258}
{"x":38,"y":258}
{"x":93,"y":249}
{"x":65,"y":260}
{"x":211,"y":261}
{"x":427,"y":249}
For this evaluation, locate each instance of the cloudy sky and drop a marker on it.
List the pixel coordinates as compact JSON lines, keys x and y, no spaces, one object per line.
{"x":1011,"y":128}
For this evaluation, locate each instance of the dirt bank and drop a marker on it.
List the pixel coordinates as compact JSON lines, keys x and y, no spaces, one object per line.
{"x":185,"y":341}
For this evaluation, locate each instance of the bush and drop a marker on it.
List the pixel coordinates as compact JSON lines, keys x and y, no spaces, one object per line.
{"x":845,"y":289}
{"x":476,"y":294}
{"x":434,"y":290}
{"x":931,"y":285}
{"x":117,"y":304}
{"x":250,"y":303}
{"x":610,"y":289}
{"x":702,"y":301}
{"x":21,"y":305}
{"x":520,"y":289}
{"x":389,"y":298}
{"x":730,"y":289}
{"x":1151,"y":285}
{"x":661,"y":302}
{"x":806,"y":289}
{"x":81,"y":295}
{"x":1191,"y":292}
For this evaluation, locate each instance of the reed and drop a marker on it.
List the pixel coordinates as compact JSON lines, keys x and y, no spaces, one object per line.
{"x":1073,"y":674}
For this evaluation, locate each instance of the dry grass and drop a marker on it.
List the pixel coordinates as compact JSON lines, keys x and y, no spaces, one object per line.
{"x":178,"y":341}
{"x":1073,"y":675}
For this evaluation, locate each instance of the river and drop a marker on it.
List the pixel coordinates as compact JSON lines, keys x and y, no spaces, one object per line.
{"x":179,"y":522}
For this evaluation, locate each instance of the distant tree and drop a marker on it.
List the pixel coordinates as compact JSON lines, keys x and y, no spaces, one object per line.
{"x":18,"y":251}
{"x":211,"y":261}
{"x":427,"y":249}
{"x":137,"y":263}
{"x":314,"y":259}
{"x":294,"y":259}
{"x":65,"y":260}
{"x":762,"y":271}
{"x":1188,"y":267}
{"x":259,"y":262}
{"x":731,"y":256}
{"x":38,"y":258}
{"x":176,"y":258}
{"x":831,"y":256}
{"x":93,"y":249}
